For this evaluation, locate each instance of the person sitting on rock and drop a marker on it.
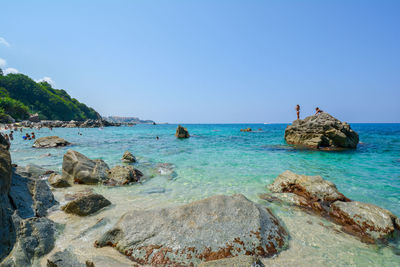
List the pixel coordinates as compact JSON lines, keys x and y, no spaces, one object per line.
{"x":317,"y":111}
{"x":298,"y":111}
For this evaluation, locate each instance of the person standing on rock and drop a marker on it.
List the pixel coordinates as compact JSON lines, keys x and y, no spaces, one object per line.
{"x":298,"y":111}
{"x":317,"y":111}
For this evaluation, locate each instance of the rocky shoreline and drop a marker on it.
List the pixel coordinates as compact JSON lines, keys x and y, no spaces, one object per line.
{"x":220,"y":230}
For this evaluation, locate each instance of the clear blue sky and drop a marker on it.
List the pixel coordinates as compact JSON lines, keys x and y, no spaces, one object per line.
{"x":212,"y":61}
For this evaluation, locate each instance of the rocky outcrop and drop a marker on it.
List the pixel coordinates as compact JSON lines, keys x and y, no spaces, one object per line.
{"x":86,"y":205}
{"x":214,"y":228}
{"x":34,"y":118}
{"x":36,"y":237}
{"x":79,"y":169}
{"x":122,"y":175}
{"x":57,"y":181}
{"x":368,"y":222}
{"x":321,"y":131}
{"x":128,"y":157}
{"x":50,"y":142}
{"x":182,"y":132}
{"x":365,"y":220}
{"x":7,"y":232}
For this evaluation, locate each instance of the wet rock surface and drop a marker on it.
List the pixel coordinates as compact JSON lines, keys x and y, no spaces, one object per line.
{"x":50,"y":142}
{"x":123,"y":175}
{"x":214,"y":228}
{"x":182,"y":132}
{"x":368,"y":222}
{"x":321,"y":131}
{"x":80,"y":169}
{"x":86,"y":205}
{"x":127,"y":157}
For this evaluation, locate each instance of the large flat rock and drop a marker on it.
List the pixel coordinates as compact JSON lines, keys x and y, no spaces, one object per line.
{"x":214,"y":228}
{"x":50,"y":142}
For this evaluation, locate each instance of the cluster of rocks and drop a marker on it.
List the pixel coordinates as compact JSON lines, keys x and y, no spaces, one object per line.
{"x":321,"y":131}
{"x":246,"y":130}
{"x":50,"y":142}
{"x":67,"y":124}
{"x":369,"y":222}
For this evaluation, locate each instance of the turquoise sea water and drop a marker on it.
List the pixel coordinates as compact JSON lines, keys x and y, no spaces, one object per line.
{"x":221,"y":159}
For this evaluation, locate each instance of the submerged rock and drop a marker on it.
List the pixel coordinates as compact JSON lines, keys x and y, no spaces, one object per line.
{"x":50,"y":142}
{"x":122,"y":175}
{"x":239,"y":261}
{"x":128,"y":157}
{"x":321,"y":131}
{"x":182,"y":132}
{"x":86,"y":205}
{"x":366,"y":221}
{"x":36,"y":237}
{"x":79,"y":169}
{"x":369,"y":221}
{"x":214,"y":228}
{"x":57,"y":181}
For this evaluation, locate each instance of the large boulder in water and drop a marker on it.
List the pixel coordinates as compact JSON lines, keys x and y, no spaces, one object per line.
{"x":50,"y":142}
{"x":78,"y":168}
{"x":182,"y":132}
{"x":321,"y":131}
{"x":368,"y":221}
{"x":122,"y":175}
{"x":214,"y":228}
{"x":86,"y":205}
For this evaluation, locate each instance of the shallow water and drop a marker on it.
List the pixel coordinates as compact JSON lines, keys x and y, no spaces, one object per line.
{"x":219,"y":159}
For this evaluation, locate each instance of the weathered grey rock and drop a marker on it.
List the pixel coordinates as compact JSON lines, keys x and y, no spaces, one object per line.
{"x":86,"y":205}
{"x":290,"y":199}
{"x":182,"y":132}
{"x":321,"y":131}
{"x":7,"y":232}
{"x":32,"y":171}
{"x":369,"y":221}
{"x":30,"y":195}
{"x":239,"y":261}
{"x":122,"y":175}
{"x":50,"y":142}
{"x":128,"y":157}
{"x":57,"y":181}
{"x":214,"y":228}
{"x":80,"y":169}
{"x":64,"y":258}
{"x":36,"y":237}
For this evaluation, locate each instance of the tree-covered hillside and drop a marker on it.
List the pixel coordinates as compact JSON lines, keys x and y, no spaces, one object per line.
{"x":21,"y":96}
